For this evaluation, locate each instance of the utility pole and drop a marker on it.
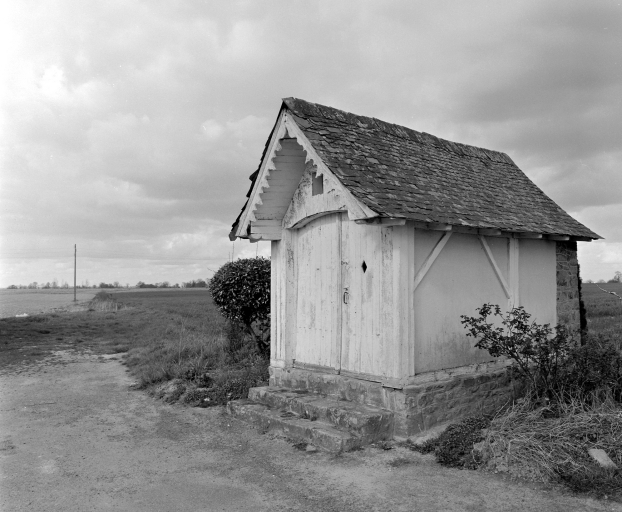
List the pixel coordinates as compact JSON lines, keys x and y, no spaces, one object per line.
{"x":75,"y":253}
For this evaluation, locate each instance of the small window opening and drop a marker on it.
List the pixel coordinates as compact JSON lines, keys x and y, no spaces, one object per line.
{"x":364,"y":267}
{"x":317,"y":186}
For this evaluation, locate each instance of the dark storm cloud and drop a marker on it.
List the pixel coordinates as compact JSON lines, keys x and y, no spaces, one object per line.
{"x":136,"y":125}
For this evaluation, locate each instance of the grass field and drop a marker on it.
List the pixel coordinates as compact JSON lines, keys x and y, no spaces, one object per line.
{"x":604,"y":311}
{"x":170,"y":334}
{"x":31,"y":302}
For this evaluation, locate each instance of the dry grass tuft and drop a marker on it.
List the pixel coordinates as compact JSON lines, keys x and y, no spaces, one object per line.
{"x":552,"y":444}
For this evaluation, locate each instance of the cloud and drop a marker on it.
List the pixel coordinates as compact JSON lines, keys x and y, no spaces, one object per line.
{"x":131,"y":128}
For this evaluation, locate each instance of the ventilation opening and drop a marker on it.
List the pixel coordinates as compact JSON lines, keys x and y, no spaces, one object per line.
{"x":317,"y":186}
{"x":364,"y":267}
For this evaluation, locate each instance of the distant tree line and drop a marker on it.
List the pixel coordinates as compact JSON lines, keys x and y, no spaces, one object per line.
{"x":39,"y":286}
{"x":196,"y":283}
{"x":54,"y":285}
{"x":164,"y":284}
{"x":617,"y":278}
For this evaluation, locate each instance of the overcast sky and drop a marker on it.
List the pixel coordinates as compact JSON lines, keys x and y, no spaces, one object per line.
{"x":130,"y":128}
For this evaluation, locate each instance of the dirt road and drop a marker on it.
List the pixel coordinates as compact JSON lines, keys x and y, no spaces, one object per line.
{"x":74,"y":436}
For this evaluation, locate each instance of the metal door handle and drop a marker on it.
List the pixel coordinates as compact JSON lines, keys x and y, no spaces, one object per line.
{"x":346,"y":297}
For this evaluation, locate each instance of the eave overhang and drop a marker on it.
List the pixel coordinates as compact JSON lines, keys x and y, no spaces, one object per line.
{"x":285,"y":128}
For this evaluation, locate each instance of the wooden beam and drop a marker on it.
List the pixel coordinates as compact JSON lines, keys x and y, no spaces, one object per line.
{"x":265,"y":230}
{"x":528,"y":234}
{"x":388,"y":221}
{"x":266,"y":223}
{"x":559,"y":238}
{"x":493,"y":263}
{"x":489,"y":232}
{"x":464,"y":229}
{"x":513,"y":273}
{"x":434,"y":226}
{"x":580,"y":239}
{"x":258,"y":237}
{"x":429,"y":261}
{"x":261,"y":215}
{"x":385,"y":221}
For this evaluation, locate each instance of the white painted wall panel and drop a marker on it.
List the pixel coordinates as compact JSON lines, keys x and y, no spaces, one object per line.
{"x":537,"y":279}
{"x":460,"y":280}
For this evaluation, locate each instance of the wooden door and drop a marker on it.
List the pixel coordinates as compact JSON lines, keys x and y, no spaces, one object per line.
{"x":318,"y":309}
{"x":362,"y":345}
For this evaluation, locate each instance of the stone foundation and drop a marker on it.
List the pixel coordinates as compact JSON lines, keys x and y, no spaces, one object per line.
{"x":431,"y":404}
{"x":417,"y":407}
{"x":568,"y":296}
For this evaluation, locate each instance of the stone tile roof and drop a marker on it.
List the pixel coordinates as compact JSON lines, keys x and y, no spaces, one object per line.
{"x":399,"y":172}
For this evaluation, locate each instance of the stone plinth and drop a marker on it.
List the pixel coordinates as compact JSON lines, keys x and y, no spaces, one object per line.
{"x":416,"y":407}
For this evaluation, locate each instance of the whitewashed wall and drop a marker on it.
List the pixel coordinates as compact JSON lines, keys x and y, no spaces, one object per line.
{"x":387,"y":330}
{"x":462,"y":279}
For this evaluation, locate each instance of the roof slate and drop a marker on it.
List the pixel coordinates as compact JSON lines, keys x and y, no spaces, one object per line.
{"x":399,"y":172}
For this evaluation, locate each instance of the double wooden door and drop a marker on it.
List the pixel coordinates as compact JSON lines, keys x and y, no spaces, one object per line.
{"x":338,"y":310}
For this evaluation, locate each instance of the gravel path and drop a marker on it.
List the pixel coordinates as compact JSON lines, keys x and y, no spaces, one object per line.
{"x":75,"y":436}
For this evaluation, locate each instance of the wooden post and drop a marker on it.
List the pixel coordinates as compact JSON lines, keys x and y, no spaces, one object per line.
{"x":75,"y":252}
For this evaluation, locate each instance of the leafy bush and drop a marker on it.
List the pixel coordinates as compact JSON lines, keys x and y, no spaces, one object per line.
{"x":538,"y":354}
{"x":594,"y":370}
{"x":551,"y":361}
{"x":241,"y":291}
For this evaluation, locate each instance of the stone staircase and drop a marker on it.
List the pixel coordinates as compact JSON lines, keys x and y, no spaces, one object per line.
{"x":326,"y":422}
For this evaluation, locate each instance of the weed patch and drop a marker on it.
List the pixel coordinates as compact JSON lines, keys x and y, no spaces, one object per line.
{"x":234,"y":383}
{"x":454,"y":446}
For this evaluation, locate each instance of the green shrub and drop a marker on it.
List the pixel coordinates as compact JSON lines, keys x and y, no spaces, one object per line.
{"x":241,"y":291}
{"x":553,"y":363}
{"x":538,"y":351}
{"x":593,"y":370}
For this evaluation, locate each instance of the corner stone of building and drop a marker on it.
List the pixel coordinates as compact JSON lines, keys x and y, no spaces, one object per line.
{"x":567,"y":285}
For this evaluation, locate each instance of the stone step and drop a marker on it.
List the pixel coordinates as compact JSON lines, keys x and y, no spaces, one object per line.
{"x":320,"y":434}
{"x":368,"y":423}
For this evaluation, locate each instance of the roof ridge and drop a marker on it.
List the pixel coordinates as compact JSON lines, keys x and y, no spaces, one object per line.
{"x":403,"y":132}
